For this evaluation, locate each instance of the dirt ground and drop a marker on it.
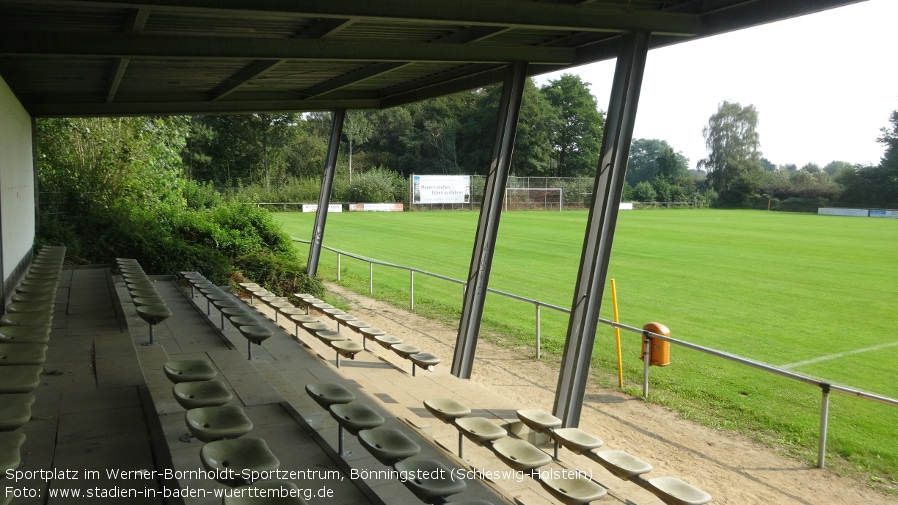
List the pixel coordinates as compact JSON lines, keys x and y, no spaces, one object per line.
{"x":732,"y":468}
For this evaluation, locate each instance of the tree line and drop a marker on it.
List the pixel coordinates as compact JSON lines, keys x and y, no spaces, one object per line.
{"x":279,"y":157}
{"x":741,"y":177}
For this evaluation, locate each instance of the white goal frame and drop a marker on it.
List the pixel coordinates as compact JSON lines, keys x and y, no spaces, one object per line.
{"x":545,"y":206}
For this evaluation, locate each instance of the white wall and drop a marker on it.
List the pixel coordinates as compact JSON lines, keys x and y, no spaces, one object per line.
{"x":16,"y":181}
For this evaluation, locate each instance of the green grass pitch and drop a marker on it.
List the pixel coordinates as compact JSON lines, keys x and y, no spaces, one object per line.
{"x":816,"y":294}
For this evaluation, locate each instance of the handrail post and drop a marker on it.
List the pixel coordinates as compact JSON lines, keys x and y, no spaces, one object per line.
{"x":538,"y":333}
{"x":646,"y":357}
{"x":411,"y":290}
{"x":824,"y":425}
{"x":339,"y":256}
{"x":371,"y":277}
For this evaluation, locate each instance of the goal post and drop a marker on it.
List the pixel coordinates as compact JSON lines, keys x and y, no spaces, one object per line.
{"x":534,"y":199}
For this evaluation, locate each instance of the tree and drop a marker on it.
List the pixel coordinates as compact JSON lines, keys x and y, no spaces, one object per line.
{"x":532,"y":145}
{"x":889,"y":162}
{"x":833,"y":167}
{"x":577,"y":139}
{"x":357,"y":129}
{"x":645,"y":156}
{"x":734,"y":156}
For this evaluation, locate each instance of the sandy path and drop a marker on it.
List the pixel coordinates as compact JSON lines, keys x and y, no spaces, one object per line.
{"x":732,"y":468}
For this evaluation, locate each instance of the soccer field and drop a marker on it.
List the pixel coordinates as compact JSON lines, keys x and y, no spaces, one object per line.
{"x":813,"y":294}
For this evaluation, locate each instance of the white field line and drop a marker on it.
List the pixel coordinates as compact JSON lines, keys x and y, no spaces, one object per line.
{"x":839,"y":355}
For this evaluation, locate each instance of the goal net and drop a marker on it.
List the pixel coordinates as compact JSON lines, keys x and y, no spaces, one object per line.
{"x":533,"y":199}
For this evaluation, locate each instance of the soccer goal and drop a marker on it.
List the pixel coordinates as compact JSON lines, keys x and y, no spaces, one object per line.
{"x":533,"y":199}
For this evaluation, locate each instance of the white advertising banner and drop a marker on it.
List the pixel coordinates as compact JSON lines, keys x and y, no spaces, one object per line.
{"x":441,"y":189}
{"x":313,"y":207}
{"x":375,"y":207}
{"x":830,"y":211}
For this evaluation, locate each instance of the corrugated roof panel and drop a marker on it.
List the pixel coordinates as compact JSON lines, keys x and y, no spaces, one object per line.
{"x":219,"y":24}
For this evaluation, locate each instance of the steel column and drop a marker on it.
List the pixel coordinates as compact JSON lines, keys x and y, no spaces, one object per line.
{"x":488,"y":224}
{"x":596,"y":253}
{"x":324,"y":198}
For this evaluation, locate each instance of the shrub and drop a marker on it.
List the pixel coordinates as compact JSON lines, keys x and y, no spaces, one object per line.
{"x":377,"y":185}
{"x":280,"y":275}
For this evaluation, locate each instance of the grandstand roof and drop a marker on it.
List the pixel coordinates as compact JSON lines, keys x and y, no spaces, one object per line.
{"x":126,"y":57}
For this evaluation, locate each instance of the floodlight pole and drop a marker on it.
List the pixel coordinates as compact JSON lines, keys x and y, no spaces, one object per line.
{"x":488,"y":223}
{"x":596,"y":254}
{"x":324,"y":197}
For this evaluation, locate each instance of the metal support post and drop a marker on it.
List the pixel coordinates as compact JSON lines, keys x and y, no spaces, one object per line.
{"x":824,"y":426}
{"x":488,"y":223}
{"x":646,"y":361}
{"x":327,"y":185}
{"x":411,"y":290}
{"x":596,"y":254}
{"x":538,"y":334}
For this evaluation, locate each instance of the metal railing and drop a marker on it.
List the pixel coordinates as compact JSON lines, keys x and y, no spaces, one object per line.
{"x":647,"y":337}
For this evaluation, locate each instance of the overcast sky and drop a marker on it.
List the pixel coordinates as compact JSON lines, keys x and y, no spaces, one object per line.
{"x":823,"y":84}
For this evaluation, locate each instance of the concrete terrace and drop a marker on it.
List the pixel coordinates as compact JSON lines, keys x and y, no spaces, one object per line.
{"x":105,"y":416}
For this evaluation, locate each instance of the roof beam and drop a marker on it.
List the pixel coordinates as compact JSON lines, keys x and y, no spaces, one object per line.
{"x":136,"y":22}
{"x":463,"y":36}
{"x":241,"y":48}
{"x":254,"y":70}
{"x":508,"y":13}
{"x":95,"y":109}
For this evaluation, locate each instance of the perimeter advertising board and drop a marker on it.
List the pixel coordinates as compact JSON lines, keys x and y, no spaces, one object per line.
{"x":313,"y":207}
{"x":441,"y":189}
{"x":884,"y":213}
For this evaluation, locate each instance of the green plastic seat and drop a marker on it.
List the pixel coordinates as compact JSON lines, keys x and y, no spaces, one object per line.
{"x":10,"y":450}
{"x":519,"y":454}
{"x":27,"y":319}
{"x":572,"y":490}
{"x":446,"y":409}
{"x":538,"y":420}
{"x":238,"y":455}
{"x":329,"y":336}
{"x":205,"y":393}
{"x":314,"y":327}
{"x":434,"y":481}
{"x":189,"y":370}
{"x":141,"y":301}
{"x":15,"y":410}
{"x":326,"y":394}
{"x":575,"y":440}
{"x":34,"y":297}
{"x":24,"y":334}
{"x":22,"y":354}
{"x":479,"y":430}
{"x":345,"y":348}
{"x":423,"y":360}
{"x":388,"y":341}
{"x":357,"y":324}
{"x":388,"y":445}
{"x":353,"y":417}
{"x":153,"y":315}
{"x":674,"y":491}
{"x":30,"y":307}
{"x":143,"y":293}
{"x":405,"y":350}
{"x":19,"y":379}
{"x":217,"y":423}
{"x":254,"y":334}
{"x":620,"y":463}
{"x":248,"y":320}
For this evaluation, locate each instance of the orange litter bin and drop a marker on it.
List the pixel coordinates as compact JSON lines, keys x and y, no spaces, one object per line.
{"x":659,"y":351}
